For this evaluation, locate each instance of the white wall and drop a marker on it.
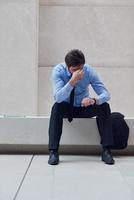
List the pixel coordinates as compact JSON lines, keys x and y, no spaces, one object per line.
{"x":18,"y":57}
{"x":103,"y":30}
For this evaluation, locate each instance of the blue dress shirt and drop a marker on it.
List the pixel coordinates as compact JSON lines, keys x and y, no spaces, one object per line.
{"x":62,"y":87}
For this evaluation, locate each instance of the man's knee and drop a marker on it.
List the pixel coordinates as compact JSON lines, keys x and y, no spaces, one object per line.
{"x":59,"y":107}
{"x":56,"y":107}
{"x":105,"y":107}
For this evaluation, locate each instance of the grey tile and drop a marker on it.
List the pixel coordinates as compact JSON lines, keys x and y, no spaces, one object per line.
{"x":76,"y":177}
{"x":126,"y":166}
{"x":105,"y":34}
{"x":114,"y":79}
{"x":130,"y":181}
{"x":12,"y":170}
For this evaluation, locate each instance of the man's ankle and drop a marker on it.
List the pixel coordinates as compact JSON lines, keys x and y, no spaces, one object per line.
{"x":53,"y":150}
{"x":106,"y":148}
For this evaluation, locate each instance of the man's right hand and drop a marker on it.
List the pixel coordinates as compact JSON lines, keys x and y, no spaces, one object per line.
{"x":76,"y":76}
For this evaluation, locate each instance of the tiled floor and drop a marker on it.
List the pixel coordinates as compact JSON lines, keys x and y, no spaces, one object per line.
{"x":28,"y":177}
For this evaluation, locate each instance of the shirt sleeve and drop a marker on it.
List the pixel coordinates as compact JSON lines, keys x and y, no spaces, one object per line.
{"x":61,"y":90}
{"x":99,"y":88}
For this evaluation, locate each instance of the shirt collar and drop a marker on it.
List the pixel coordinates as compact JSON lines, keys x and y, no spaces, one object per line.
{"x":68,"y":72}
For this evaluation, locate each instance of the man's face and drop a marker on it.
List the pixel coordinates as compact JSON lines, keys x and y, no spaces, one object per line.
{"x":72,"y":69}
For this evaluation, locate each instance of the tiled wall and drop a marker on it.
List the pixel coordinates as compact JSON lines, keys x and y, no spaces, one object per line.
{"x":18,"y":57}
{"x":103,"y":30}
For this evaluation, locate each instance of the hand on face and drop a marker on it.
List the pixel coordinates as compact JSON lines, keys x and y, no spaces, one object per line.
{"x":77,"y":74}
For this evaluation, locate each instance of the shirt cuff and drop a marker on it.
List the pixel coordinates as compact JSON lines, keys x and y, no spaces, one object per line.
{"x":98,"y":101}
{"x":69,"y":87}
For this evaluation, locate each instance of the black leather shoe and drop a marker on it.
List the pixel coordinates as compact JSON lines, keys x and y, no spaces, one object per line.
{"x":107,"y":157}
{"x":53,"y":157}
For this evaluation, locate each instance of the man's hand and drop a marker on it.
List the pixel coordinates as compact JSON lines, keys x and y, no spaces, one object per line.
{"x":87,"y":102}
{"x":77,"y":75}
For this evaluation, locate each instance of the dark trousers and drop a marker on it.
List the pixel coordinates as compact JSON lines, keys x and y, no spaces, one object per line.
{"x":60,"y":111}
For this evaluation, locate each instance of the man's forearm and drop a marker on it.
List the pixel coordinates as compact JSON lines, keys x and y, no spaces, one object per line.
{"x":63,"y":93}
{"x":103,"y":98}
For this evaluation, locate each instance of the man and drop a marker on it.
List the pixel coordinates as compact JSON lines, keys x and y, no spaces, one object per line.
{"x":71,"y":82}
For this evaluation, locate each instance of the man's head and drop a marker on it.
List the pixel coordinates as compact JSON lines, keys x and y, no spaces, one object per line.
{"x":74,"y":60}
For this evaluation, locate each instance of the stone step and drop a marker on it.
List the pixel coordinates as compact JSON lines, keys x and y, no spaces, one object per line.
{"x":32,"y":131}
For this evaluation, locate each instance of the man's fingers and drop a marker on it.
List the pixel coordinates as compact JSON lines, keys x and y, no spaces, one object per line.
{"x":85,"y":104}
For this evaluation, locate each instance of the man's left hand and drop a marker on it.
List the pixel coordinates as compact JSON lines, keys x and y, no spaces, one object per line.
{"x":87,"y":102}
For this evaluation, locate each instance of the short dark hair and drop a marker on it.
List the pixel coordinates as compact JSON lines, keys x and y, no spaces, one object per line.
{"x":74,"y":58}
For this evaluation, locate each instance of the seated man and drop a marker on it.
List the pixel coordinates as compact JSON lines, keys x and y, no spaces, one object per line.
{"x":71,"y":82}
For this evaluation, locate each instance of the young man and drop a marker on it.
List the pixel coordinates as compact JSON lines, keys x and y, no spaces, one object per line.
{"x":71,"y":82}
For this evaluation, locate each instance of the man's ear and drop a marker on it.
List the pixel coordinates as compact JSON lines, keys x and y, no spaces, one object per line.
{"x":70,"y":69}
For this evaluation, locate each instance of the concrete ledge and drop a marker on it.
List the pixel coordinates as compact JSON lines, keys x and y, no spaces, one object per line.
{"x":64,"y":149}
{"x":30,"y":134}
{"x":86,"y":3}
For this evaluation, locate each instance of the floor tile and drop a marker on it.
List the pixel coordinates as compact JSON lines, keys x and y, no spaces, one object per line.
{"x":12,"y":170}
{"x":76,"y":177}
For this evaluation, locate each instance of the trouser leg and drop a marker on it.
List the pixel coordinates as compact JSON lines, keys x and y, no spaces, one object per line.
{"x":105,"y":125}
{"x":59,"y":110}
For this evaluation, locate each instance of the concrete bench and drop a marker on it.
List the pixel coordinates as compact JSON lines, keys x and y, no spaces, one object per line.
{"x":30,"y":134}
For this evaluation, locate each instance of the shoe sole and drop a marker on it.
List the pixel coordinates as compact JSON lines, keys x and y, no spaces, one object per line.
{"x":55,"y":163}
{"x":110,"y":163}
